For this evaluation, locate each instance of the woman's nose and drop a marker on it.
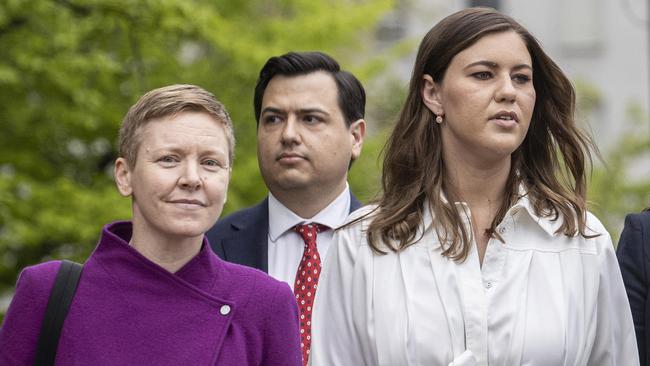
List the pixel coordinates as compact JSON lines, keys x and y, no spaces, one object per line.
{"x":190,"y":178}
{"x":506,"y":91}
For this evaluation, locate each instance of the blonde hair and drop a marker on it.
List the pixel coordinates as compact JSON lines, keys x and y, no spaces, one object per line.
{"x":169,"y":101}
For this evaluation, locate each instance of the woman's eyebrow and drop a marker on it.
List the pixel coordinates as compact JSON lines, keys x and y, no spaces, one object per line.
{"x":494,"y":65}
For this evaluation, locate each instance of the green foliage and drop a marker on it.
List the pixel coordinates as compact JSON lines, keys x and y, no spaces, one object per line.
{"x":384,"y":103}
{"x":588,"y":96}
{"x":622,"y":185}
{"x":364,"y":177}
{"x":69,"y":70}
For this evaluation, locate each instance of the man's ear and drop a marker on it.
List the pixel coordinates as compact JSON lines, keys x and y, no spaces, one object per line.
{"x":431,"y":95}
{"x":357,"y":134}
{"x":123,"y":177}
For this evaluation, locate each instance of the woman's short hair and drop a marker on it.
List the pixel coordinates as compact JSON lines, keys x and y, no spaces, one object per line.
{"x":166,"y":102}
{"x":413,"y":163}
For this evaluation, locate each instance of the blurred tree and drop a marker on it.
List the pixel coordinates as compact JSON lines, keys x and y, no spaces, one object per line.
{"x":622,"y":185}
{"x":69,"y":70}
{"x":619,"y":184}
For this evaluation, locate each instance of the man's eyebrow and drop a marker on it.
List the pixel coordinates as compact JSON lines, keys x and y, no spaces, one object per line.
{"x":300,"y":111}
{"x":272,"y":110}
{"x":312,"y":110}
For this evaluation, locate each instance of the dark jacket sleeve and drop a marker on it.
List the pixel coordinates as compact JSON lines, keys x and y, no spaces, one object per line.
{"x":633,"y":258}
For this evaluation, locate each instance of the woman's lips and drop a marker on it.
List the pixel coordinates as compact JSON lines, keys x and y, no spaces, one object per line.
{"x":188,"y":204}
{"x":505,"y":123}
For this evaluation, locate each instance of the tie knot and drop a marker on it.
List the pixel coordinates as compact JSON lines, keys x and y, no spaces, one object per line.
{"x":309,"y":231}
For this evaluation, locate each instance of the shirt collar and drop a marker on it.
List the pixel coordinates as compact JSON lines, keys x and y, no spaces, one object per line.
{"x":282,"y":219}
{"x":523,"y":204}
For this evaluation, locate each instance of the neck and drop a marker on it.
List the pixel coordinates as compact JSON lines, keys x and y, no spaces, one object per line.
{"x":306,"y":203}
{"x":477,"y":188}
{"x":171,"y":253}
{"x":482,"y":187}
{"x":476,"y":183}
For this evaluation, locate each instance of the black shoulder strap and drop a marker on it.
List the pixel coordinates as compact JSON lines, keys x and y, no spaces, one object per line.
{"x":61,"y":297}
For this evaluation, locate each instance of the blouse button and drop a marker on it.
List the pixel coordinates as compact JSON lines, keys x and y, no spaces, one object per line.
{"x":225,"y":310}
{"x":502,"y":230}
{"x":488,"y":285}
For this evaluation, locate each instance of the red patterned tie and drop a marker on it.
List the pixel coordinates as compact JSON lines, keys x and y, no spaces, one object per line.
{"x":307,"y":282}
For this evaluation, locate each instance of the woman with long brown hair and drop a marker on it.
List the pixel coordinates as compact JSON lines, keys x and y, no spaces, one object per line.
{"x":481,"y":250}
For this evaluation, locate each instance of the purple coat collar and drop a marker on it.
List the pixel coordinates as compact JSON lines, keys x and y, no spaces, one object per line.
{"x":129,"y":311}
{"x":114,"y":252}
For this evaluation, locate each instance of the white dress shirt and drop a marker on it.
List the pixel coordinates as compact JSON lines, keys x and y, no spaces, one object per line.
{"x":538,"y":299}
{"x":286,"y":246}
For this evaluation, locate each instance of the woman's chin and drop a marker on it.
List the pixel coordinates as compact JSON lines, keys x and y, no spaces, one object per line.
{"x":186,"y":229}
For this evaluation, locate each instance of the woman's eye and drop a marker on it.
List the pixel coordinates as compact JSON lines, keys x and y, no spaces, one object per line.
{"x":482,"y":75}
{"x":521,"y":78}
{"x":168,"y":159}
{"x":214,"y":164}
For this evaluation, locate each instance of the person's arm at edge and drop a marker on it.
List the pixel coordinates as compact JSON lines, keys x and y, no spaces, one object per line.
{"x":632,"y":260}
{"x":615,"y":341}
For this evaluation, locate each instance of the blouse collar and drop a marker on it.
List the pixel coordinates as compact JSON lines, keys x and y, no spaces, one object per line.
{"x":523,"y":205}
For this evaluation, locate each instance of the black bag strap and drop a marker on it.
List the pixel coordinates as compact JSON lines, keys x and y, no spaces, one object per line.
{"x":61,"y":297}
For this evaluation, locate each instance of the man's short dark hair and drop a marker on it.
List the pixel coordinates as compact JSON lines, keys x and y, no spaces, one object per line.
{"x":351,"y":95}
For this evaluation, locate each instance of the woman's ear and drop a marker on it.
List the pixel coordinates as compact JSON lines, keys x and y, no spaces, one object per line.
{"x":123,"y":177}
{"x":431,"y":95}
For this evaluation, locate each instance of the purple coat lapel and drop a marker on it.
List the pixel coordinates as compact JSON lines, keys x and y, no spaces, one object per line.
{"x":128,"y":310}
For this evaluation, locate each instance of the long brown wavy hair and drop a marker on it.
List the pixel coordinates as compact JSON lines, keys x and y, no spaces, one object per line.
{"x":551,"y":162}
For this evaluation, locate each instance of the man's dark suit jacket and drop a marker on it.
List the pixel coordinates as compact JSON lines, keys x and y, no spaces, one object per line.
{"x":634,"y":258}
{"x":243,"y":236}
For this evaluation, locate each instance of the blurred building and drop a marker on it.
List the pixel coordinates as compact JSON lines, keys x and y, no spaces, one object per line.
{"x":602,"y":45}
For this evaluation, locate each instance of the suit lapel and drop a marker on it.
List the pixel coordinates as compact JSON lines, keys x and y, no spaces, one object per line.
{"x":354,"y":203}
{"x":248,"y":242}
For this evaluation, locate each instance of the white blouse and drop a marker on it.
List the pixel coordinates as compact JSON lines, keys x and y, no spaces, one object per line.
{"x":539,"y":299}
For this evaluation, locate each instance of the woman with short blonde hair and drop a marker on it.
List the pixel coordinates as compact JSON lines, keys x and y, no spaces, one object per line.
{"x":153,"y":292}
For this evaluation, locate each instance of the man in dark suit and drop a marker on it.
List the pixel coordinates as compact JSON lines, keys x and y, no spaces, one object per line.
{"x":310,"y":129}
{"x":633,"y":254}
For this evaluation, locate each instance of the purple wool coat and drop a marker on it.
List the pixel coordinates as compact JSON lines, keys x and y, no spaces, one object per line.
{"x":129,"y":311}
